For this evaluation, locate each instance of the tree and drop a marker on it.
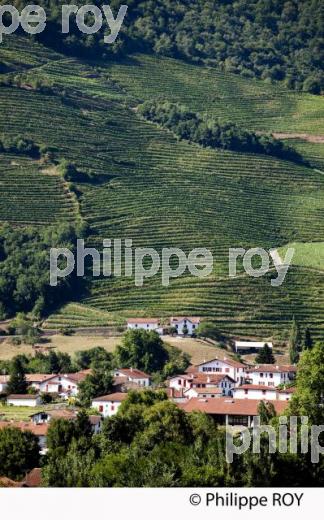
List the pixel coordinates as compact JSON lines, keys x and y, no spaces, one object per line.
{"x":19,"y":452}
{"x":308,"y":399}
{"x":266,"y":411}
{"x":308,"y":341}
{"x":265,"y":355}
{"x":17,"y":383}
{"x":143,"y":350}
{"x":209,"y":330}
{"x":295,"y":346}
{"x":94,"y":385}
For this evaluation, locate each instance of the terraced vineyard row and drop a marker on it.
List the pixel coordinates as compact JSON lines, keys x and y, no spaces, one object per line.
{"x":29,"y":195}
{"x":254,"y":104}
{"x":162,"y":193}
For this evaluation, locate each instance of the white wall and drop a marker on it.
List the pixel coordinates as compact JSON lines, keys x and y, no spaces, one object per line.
{"x":24,"y":402}
{"x":218,"y":366}
{"x":145,"y":326}
{"x":255,"y":394}
{"x":269,"y":378}
{"x":190,"y":326}
{"x":108,"y":409}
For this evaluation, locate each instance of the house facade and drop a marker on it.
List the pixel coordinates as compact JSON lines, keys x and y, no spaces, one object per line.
{"x":147,"y":324}
{"x":271,"y":375}
{"x":245,"y":347}
{"x":185,"y":325}
{"x":230,"y":367}
{"x":255,"y":392}
{"x":107,"y":405}
{"x":200,"y":380}
{"x":132,"y":375}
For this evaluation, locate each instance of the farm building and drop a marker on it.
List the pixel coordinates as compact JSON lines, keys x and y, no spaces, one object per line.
{"x":184,"y":325}
{"x":24,"y":400}
{"x":145,"y":324}
{"x":245,"y":347}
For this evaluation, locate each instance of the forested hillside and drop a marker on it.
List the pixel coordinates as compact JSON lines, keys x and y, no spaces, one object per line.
{"x":268,"y":39}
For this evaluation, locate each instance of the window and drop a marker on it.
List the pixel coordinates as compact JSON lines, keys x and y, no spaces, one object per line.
{"x":112,"y":407}
{"x":261,"y":374}
{"x":270,"y":384}
{"x":271,"y":375}
{"x":100,"y":408}
{"x":264,"y":392}
{"x":227,"y":370}
{"x":246,"y":392}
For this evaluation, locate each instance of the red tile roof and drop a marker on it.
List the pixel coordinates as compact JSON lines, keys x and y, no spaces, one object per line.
{"x":228,"y":406}
{"x":134,"y":373}
{"x":143,"y":320}
{"x":114,"y":398}
{"x":175,"y":319}
{"x":208,"y":390}
{"x":289,"y":390}
{"x":255,"y":387}
{"x":229,"y":361}
{"x":273,"y":368}
{"x":33,"y":478}
{"x":39,"y":378}
{"x":37,"y":429}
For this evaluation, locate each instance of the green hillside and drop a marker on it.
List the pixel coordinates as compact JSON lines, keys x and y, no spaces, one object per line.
{"x":306,"y":254}
{"x":162,"y":192}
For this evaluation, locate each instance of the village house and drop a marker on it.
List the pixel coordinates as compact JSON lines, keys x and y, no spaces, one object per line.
{"x":147,"y":324}
{"x":132,"y":376}
{"x":269,"y":393}
{"x":108,"y":405}
{"x":24,"y":400}
{"x":199,"y":380}
{"x":66,"y":385}
{"x":176,"y":396}
{"x":271,"y":375}
{"x":185,"y":325}
{"x":210,"y":392}
{"x":246,"y":347}
{"x":230,"y":412}
{"x":230,"y":367}
{"x":46,"y":417}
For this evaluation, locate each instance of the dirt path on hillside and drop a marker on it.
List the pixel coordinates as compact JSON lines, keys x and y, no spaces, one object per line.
{"x":318,"y":139}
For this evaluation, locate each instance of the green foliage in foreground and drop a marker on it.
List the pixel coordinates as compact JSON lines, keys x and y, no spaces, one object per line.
{"x":19,"y":452}
{"x":152,"y":442}
{"x":208,"y":132}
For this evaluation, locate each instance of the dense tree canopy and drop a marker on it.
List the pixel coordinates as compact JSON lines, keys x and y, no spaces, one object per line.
{"x":209,"y":132}
{"x":19,"y":452}
{"x":267,"y":39}
{"x":24,"y":269}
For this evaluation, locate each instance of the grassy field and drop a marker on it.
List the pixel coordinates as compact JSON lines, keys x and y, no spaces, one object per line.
{"x":306,"y":255}
{"x":164,"y":193}
{"x":20,"y":413}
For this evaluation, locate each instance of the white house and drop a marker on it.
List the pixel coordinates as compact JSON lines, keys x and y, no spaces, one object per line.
{"x":227,"y":366}
{"x":251,"y":346}
{"x":132,"y":375}
{"x":184,"y":324}
{"x":199,"y":380}
{"x":66,"y":385}
{"x":255,"y":392}
{"x":3,"y":383}
{"x":271,"y":375}
{"x":208,"y":392}
{"x":24,"y":400}
{"x":108,"y":405}
{"x":145,"y":324}
{"x":46,"y":417}
{"x":233,"y":412}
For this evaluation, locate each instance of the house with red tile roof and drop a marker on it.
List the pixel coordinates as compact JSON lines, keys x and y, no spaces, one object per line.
{"x":201,"y":380}
{"x":228,"y":366}
{"x":185,"y":325}
{"x":227,"y":411}
{"x":147,"y":324}
{"x":271,"y":375}
{"x":132,"y":375}
{"x":107,"y":405}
